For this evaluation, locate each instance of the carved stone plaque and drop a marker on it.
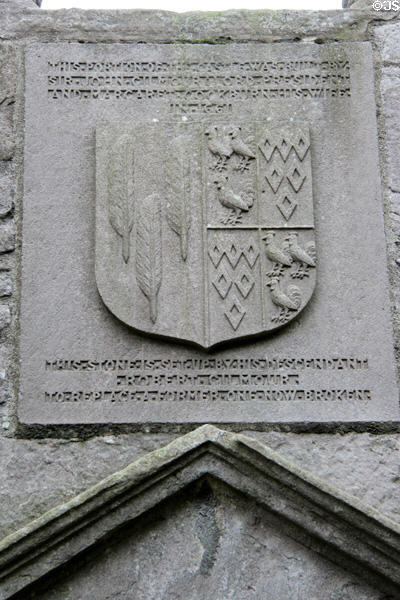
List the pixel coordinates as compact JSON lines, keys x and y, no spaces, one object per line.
{"x":202,"y":236}
{"x":216,"y":243}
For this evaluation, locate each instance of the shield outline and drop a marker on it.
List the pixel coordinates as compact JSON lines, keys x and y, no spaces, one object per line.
{"x":104,"y":134}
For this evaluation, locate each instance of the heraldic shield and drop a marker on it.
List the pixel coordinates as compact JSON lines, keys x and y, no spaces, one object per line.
{"x":204,"y":230}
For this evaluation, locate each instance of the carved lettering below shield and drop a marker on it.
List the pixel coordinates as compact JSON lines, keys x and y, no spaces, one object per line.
{"x":204,"y":230}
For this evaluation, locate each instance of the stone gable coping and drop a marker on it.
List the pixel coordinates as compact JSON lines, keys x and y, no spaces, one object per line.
{"x":353,"y":535}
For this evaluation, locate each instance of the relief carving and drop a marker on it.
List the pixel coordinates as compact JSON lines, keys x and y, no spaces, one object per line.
{"x":276,"y":254}
{"x":219,"y":144}
{"x":236,"y":202}
{"x":224,"y":142}
{"x":225,"y":226}
{"x":234,"y":278}
{"x":241,"y":148}
{"x":283,"y":156}
{"x":231,"y":156}
{"x":289,"y":300}
{"x":290,"y":260}
{"x":148,"y":251}
{"x":120,"y":190}
{"x":305,"y":257}
{"x":178,"y":191}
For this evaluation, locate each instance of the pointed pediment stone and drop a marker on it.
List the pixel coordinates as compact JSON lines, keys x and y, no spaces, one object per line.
{"x":354,"y":536}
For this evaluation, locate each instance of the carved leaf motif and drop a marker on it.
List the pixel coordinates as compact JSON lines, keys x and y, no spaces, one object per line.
{"x":178,"y":185}
{"x":120,"y":190}
{"x":148,"y":250}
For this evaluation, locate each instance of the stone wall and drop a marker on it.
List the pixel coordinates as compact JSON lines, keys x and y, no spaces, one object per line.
{"x":40,"y":472}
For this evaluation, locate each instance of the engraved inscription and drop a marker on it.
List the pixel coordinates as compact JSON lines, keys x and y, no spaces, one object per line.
{"x":198,"y":86}
{"x":206,"y":160}
{"x":224,"y":395}
{"x":217,"y":380}
{"x":257,"y":364}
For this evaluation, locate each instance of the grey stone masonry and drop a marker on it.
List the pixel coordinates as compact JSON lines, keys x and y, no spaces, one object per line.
{"x":217,"y":467}
{"x":195,"y":248}
{"x":183,"y":548}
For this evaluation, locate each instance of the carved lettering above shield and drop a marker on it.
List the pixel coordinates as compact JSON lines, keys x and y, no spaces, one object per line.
{"x":204,"y":230}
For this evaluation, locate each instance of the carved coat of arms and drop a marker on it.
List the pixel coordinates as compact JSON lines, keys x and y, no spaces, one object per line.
{"x":204,"y":230}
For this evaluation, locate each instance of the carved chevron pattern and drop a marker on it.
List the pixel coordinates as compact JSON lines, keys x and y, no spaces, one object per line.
{"x":233,"y":254}
{"x":234,"y":278}
{"x":282,"y":164}
{"x":283,"y":144}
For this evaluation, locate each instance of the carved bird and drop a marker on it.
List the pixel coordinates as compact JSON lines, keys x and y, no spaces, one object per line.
{"x":274,"y":252}
{"x":219,"y":146}
{"x":240,"y":148}
{"x":291,"y":300}
{"x":227,"y":197}
{"x":305,"y":255}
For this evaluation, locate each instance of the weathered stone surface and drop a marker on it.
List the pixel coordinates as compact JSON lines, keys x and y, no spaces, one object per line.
{"x":225,"y":548}
{"x":388,"y":39}
{"x":6,"y":188}
{"x":7,"y":74}
{"x":163,"y":26}
{"x":5,"y":316}
{"x":393,"y":198}
{"x":5,"y":284}
{"x":7,"y":100}
{"x":360,"y":4}
{"x":7,"y":237}
{"x":365,"y":465}
{"x":59,"y":174}
{"x":383,"y":10}
{"x":39,"y":474}
{"x":390,"y":87}
{"x":178,"y":224}
{"x":23,"y":3}
{"x":317,"y":516}
{"x":7,"y":146}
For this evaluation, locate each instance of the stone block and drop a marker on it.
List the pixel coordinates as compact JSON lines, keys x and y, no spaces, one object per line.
{"x":390,"y":87}
{"x":5,"y":284}
{"x":7,"y":100}
{"x":7,"y":237}
{"x":185,"y":274}
{"x":208,"y":491}
{"x":387,"y":38}
{"x":6,"y":188}
{"x":5,"y":316}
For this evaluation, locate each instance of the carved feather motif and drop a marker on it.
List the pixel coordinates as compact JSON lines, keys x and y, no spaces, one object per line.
{"x":178,"y":185}
{"x":148,"y":250}
{"x":120,"y":190}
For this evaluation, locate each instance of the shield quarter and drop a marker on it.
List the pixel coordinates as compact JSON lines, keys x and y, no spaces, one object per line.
{"x":204,"y":230}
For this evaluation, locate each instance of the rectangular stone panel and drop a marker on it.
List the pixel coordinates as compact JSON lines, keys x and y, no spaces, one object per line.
{"x":202,"y":236}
